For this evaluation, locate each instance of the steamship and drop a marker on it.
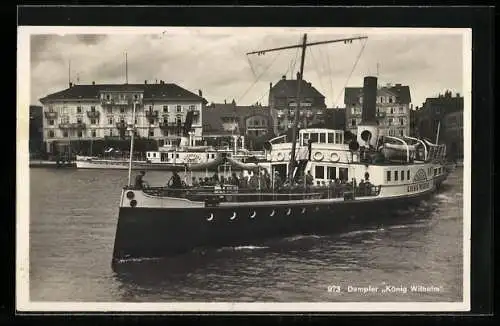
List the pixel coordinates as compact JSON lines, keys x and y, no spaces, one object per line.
{"x":371,"y":176}
{"x":318,"y":183}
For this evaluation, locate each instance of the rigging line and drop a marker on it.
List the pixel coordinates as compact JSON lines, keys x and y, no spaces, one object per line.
{"x":258,"y":77}
{"x":251,"y":67}
{"x":316,"y":66}
{"x":352,"y":70}
{"x":330,"y":75}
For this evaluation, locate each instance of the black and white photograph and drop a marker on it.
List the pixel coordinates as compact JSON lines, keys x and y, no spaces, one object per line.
{"x":243,"y":169}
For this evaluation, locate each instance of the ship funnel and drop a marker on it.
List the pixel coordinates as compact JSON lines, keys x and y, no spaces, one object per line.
{"x":368,"y":130}
{"x":369,"y":101}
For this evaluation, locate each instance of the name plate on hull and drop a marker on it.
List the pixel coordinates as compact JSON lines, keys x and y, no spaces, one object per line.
{"x":419,"y":187}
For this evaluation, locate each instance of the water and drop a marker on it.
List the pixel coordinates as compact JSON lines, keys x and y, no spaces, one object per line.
{"x":73,"y":216}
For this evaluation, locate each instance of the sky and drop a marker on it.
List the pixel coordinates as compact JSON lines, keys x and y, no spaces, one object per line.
{"x":214,"y":60}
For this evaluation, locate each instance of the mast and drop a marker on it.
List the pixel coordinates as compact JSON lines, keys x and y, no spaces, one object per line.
{"x":126,"y":69}
{"x":69,"y":72}
{"x":437,"y":134}
{"x":291,"y":164}
{"x":131,"y":145}
{"x":303,"y":46}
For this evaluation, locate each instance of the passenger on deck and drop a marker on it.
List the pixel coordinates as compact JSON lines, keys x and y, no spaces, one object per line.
{"x":253,"y":182}
{"x":139,"y":182}
{"x":215,"y":179}
{"x":362,"y":187}
{"x":277,"y":180}
{"x":309,"y":179}
{"x":194,"y":182}
{"x":234,"y":180}
{"x":200,"y":181}
{"x":175,"y":181}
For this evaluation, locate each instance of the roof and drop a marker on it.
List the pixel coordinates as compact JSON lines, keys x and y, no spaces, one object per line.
{"x":402,"y":93}
{"x":151,"y":91}
{"x":288,"y":88}
{"x":214,"y":113}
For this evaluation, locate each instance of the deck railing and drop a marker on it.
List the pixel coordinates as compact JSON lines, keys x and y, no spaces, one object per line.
{"x":229,"y":193}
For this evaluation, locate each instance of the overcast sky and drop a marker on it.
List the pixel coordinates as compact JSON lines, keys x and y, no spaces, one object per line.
{"x":215,"y":61}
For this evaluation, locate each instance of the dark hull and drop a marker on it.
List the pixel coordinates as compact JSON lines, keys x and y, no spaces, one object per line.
{"x":159,"y":232}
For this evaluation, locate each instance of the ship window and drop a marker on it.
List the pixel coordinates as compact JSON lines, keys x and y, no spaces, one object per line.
{"x":331,"y":173}
{"x":402,"y":175}
{"x":319,"y":172}
{"x":388,"y":175}
{"x":408,"y":175}
{"x":343,"y":174}
{"x":314,"y":138}
{"x":322,"y":138}
{"x":395,"y":175}
{"x":331,"y":138}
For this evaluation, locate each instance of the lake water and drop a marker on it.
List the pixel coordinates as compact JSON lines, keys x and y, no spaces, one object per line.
{"x":73,"y":217}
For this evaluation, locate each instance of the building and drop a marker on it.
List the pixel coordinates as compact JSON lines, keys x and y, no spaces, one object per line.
{"x":446,"y":112}
{"x":224,"y":121}
{"x":433,"y":111}
{"x":283,"y":101}
{"x":393,"y":109}
{"x":86,"y":113}
{"x":453,"y":135}
{"x":36,"y":130}
{"x":335,"y":118}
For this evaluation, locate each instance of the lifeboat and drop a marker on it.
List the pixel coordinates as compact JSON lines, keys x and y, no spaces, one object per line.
{"x":397,"y":152}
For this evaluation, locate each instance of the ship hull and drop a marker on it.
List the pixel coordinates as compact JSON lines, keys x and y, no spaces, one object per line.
{"x":160,"y":232}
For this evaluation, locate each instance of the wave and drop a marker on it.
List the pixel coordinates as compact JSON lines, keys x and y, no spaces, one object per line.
{"x":237,"y":248}
{"x":137,"y":260}
{"x":304,"y":236}
{"x":360,"y":232}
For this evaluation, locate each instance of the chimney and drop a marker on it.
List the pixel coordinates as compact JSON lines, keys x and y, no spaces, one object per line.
{"x":157,"y":81}
{"x":398,"y":85}
{"x":225,"y":102}
{"x":298,"y":75}
{"x":200,"y":94}
{"x":93,"y":82}
{"x":458,"y":94}
{"x":270,"y":85}
{"x":145,"y":82}
{"x":369,"y":101}
{"x":283,"y":77}
{"x":70,"y":84}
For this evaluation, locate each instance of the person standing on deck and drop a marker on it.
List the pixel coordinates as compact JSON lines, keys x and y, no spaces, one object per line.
{"x":309,"y":179}
{"x":139,"y":182}
{"x":175,"y":181}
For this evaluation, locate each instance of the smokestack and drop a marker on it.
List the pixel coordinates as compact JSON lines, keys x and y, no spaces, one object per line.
{"x":93,"y":83}
{"x":200,"y":94}
{"x":145,"y":82}
{"x":368,"y":115}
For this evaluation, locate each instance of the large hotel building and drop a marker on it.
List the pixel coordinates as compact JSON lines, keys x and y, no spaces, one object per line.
{"x":104,"y":111}
{"x":393,"y":109}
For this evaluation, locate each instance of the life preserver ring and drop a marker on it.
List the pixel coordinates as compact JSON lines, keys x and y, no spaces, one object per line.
{"x":272,"y":213}
{"x":334,"y":157}
{"x":233,"y":217}
{"x":289,"y":211}
{"x":211,"y":217}
{"x":253,"y":214}
{"x":318,"y":156}
{"x":279,"y":156}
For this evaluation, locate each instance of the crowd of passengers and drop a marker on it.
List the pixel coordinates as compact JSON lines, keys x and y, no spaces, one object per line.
{"x":263,"y":182}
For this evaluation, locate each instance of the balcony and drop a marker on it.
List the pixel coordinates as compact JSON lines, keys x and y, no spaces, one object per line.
{"x":51,"y":115}
{"x":93,"y":114}
{"x":151,"y":114}
{"x":117,"y":101}
{"x":121,"y":125}
{"x":65,"y":125}
{"x":78,"y":125}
